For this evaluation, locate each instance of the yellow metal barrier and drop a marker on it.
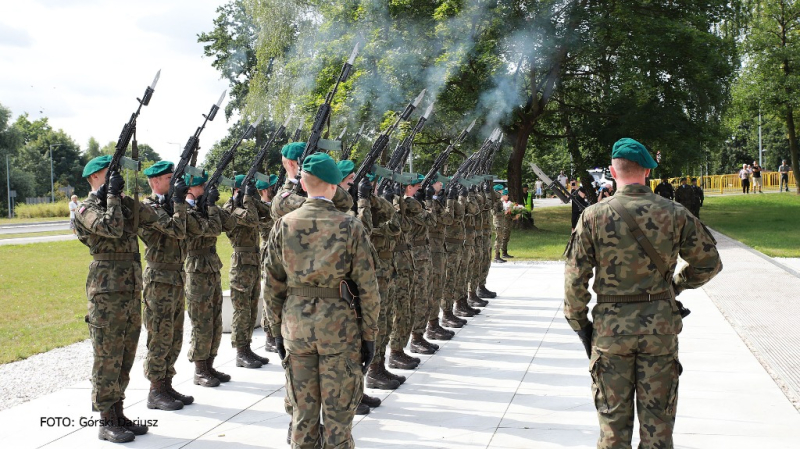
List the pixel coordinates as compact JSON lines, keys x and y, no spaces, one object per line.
{"x":728,"y":184}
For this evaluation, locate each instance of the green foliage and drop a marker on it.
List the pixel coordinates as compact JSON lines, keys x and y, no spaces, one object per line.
{"x":57,"y":209}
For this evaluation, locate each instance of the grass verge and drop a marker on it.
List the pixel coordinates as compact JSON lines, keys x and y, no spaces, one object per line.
{"x":33,"y":234}
{"x":548,"y":242}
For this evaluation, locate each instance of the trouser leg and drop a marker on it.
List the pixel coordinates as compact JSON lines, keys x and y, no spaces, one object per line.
{"x":657,"y":371}
{"x":162,"y":322}
{"x":422,"y":291}
{"x":245,"y":289}
{"x":342,"y":386}
{"x":612,"y":368}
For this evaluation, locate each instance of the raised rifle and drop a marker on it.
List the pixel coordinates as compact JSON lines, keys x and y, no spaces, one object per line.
{"x":402,"y":149}
{"x":431,"y":177}
{"x":383,"y":140}
{"x":558,"y":190}
{"x":262,"y":154}
{"x":189,"y":154}
{"x":346,"y":152}
{"x":226,"y":159}
{"x":466,"y":169}
{"x":298,"y":130}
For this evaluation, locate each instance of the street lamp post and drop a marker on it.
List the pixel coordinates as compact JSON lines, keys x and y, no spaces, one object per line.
{"x":52,"y":185}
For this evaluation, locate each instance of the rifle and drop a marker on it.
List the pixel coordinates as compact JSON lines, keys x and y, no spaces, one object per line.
{"x":226,"y":159}
{"x":129,"y":130}
{"x":383,"y":140}
{"x":346,"y":152}
{"x":559,"y":190}
{"x":189,"y":155}
{"x":468,"y":166}
{"x":430,"y":178}
{"x":262,"y":154}
{"x":296,"y":135}
{"x":402,"y":149}
{"x":324,"y":111}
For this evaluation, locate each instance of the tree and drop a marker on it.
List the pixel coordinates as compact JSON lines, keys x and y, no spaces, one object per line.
{"x":92,"y":150}
{"x":770,"y":82}
{"x":10,"y":142}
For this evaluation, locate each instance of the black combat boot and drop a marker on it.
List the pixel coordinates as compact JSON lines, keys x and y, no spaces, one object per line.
{"x":474,"y":301}
{"x":506,"y":255}
{"x":270,"y":345}
{"x":253,"y":355}
{"x":111,"y":430}
{"x":483,"y":292}
{"x":401,"y":360}
{"x":378,"y":380}
{"x":160,"y":398}
{"x":461,"y":309}
{"x":497,"y":258}
{"x":203,"y":376}
{"x":419,"y":345}
{"x":362,"y":409}
{"x":450,"y":320}
{"x":400,"y":379}
{"x":218,"y":374}
{"x":370,"y":401}
{"x":181,"y":397}
{"x":123,"y":421}
{"x":468,"y":307}
{"x":437,"y":332}
{"x":245,"y":360}
{"x":289,"y":435}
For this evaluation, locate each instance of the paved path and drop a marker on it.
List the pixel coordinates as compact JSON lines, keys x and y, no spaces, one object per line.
{"x":43,"y":226}
{"x":42,"y":239}
{"x":515,"y":377}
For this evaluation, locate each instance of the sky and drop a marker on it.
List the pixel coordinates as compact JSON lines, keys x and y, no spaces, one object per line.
{"x":83,"y":63}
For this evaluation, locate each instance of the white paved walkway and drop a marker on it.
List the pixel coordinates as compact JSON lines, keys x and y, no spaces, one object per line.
{"x":515,"y":377}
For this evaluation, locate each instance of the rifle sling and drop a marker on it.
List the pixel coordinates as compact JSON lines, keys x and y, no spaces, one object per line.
{"x":642,"y":239}
{"x":135,"y":154}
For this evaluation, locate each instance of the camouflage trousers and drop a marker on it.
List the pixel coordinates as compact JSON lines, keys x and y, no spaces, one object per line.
{"x":437,"y":280}
{"x":476,"y":264}
{"x":454,"y":260}
{"x":163,"y":319}
{"x":646,"y":366}
{"x":204,"y":300}
{"x":115,"y":321}
{"x":499,"y":233}
{"x":330,"y":384}
{"x":465,"y":269}
{"x":385,"y":272}
{"x":245,"y":295}
{"x":487,"y":257}
{"x":401,"y":322}
{"x":422,"y":301}
{"x":506,"y":232}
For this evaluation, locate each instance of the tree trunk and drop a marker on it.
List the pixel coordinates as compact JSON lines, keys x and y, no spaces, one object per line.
{"x":515,"y":161}
{"x":793,"y":146}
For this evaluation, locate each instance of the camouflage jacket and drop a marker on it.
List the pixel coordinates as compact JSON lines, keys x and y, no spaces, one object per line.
{"x":318,"y":246}
{"x":108,"y":232}
{"x":471,"y":210}
{"x":385,"y":226}
{"x":686,"y":195}
{"x":363,"y":212}
{"x":486,"y":212}
{"x":403,"y":260}
{"x":165,"y":244}
{"x":444,"y":218}
{"x":265,"y":223}
{"x":244,"y":236}
{"x":201,"y":239}
{"x":454,"y":234}
{"x":421,"y":220}
{"x":602,"y":245}
{"x":287,"y":200}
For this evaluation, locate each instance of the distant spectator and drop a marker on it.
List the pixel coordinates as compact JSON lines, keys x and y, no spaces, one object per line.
{"x":527,"y":198}
{"x":539,"y":192}
{"x":73,"y":206}
{"x":605,"y":192}
{"x":699,"y":197}
{"x":784,"y":171}
{"x":665,"y":189}
{"x":744,"y":175}
{"x":685,"y":195}
{"x":562,"y":178}
{"x":756,"y":177}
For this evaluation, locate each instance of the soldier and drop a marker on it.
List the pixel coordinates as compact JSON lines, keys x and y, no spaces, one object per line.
{"x":476,"y":265}
{"x":632,"y":341}
{"x":486,"y":240}
{"x":665,"y":189}
{"x":203,"y":279}
{"x":462,"y":306}
{"x":421,"y":220}
{"x":507,"y":218}
{"x":685,"y":195}
{"x":499,"y":222}
{"x":312,"y":251}
{"x":106,"y":223}
{"x":265,"y":223}
{"x":245,"y":276}
{"x":442,"y":211}
{"x":163,"y":288}
{"x":454,"y":247}
{"x":699,"y":197}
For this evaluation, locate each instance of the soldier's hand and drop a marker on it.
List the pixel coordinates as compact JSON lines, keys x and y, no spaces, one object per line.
{"x":179,"y":191}
{"x":115,"y":183}
{"x":102,"y":193}
{"x":452,"y":194}
{"x":364,"y":189}
{"x":487,"y":188}
{"x":250,"y":190}
{"x":280,"y":348}
{"x":462,"y":191}
{"x":419,"y":196}
{"x":585,"y":335}
{"x":213,"y":196}
{"x":398,"y":189}
{"x":429,"y":192}
{"x":367,"y":354}
{"x":388,"y":194}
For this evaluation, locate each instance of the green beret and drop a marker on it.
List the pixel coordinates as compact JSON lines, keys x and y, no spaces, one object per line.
{"x":261,"y":185}
{"x":371,"y":177}
{"x":237,"y":181}
{"x":96,"y":164}
{"x":498,"y":187}
{"x":323,"y":167}
{"x":346,"y":167}
{"x":293,"y":150}
{"x":505,"y":191}
{"x":627,"y":148}
{"x":158,"y":169}
{"x":195,"y":180}
{"x":419,"y":180}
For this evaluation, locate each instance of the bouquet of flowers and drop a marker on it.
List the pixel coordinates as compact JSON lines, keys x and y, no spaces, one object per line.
{"x":517,"y":211}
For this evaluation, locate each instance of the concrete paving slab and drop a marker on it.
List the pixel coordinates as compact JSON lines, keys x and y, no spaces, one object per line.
{"x":515,"y":377}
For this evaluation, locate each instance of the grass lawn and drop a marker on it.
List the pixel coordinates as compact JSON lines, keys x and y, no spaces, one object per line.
{"x":548,"y":242}
{"x":768,"y":222}
{"x":33,"y":234}
{"x":12,"y":221}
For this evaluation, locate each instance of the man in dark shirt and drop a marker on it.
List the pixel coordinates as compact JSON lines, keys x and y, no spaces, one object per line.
{"x":665,"y":189}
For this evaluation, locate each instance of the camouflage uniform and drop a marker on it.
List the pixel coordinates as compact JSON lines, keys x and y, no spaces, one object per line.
{"x":245,"y":265}
{"x":163,"y":289}
{"x":454,"y":246}
{"x":635,"y":343}
{"x":476,"y":264}
{"x":265,"y":223}
{"x":311,"y":251}
{"x":114,"y":290}
{"x":465,"y":268}
{"x":436,"y":234}
{"x":486,"y":232}
{"x":685,"y":195}
{"x":507,"y":219}
{"x":421,"y":220}
{"x":404,"y":264}
{"x":203,"y":280}
{"x":287,"y":200}
{"x":498,"y":218}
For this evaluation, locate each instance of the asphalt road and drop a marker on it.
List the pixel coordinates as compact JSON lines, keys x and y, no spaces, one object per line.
{"x":44,"y":226}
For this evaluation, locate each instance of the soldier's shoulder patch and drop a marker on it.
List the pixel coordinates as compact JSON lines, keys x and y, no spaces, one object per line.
{"x":82,"y":209}
{"x":285,"y":194}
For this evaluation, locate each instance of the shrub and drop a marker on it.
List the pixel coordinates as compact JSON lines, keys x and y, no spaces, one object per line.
{"x":58,"y":209}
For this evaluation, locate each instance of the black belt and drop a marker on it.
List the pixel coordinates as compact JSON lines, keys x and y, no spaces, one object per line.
{"x":165,"y":266}
{"x":116,"y":256}
{"x":315,"y":292}
{"x":452,"y":240}
{"x":644,"y":297}
{"x":245,"y":249}
{"x":202,"y":251}
{"x":385,"y":255}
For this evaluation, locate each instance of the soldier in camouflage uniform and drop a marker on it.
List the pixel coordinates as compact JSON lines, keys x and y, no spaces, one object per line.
{"x":163,"y":288}
{"x":245,"y":275}
{"x":476,"y":265}
{"x":442,"y":209}
{"x":462,"y":307}
{"x":265,"y":223}
{"x":507,"y":219}
{"x":421,"y":220}
{"x":311,"y":251}
{"x":633,"y":337}
{"x":486,"y":240}
{"x":105,"y":223}
{"x":499,"y":222}
{"x":454,"y":249}
{"x":203,"y":279}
